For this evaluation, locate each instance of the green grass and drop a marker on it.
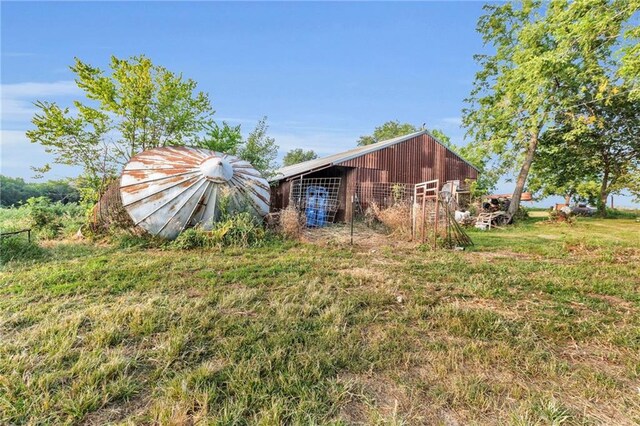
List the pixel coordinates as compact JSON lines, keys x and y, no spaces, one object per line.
{"x":536,"y":324}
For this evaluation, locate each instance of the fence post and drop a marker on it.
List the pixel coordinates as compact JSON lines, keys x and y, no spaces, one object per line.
{"x":435,"y":227}
{"x":352,"y":215}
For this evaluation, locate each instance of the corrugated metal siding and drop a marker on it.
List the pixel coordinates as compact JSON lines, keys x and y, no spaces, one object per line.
{"x":415,"y":160}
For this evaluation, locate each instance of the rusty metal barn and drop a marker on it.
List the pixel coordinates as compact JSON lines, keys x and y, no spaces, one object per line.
{"x":387,"y":169}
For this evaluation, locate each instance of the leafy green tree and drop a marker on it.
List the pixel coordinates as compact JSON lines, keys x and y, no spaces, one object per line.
{"x":221,"y":138}
{"x":442,"y":137}
{"x":630,"y":57}
{"x":389,"y":130}
{"x":298,"y":155}
{"x":542,"y":56}
{"x":137,"y":106}
{"x":260,"y":150}
{"x":594,"y":152}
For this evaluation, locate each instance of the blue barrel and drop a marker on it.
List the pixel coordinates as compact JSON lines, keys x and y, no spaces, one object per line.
{"x":316,"y":211}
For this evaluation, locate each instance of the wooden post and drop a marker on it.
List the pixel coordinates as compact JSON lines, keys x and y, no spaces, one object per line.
{"x":612,"y":201}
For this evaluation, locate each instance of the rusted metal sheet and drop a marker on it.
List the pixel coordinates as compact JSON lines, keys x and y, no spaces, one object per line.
{"x":166,"y":190}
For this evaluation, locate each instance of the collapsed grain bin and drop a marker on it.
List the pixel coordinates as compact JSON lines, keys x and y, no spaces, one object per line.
{"x":166,"y":190}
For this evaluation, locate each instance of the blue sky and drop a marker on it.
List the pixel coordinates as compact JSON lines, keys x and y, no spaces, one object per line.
{"x":323,"y":73}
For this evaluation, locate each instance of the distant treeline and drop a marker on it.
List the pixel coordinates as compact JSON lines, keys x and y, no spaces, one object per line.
{"x":15,"y":191}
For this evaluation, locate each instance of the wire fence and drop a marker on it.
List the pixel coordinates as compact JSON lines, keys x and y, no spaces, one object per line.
{"x":317,"y":199}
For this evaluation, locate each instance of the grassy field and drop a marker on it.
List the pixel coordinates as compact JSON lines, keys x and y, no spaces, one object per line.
{"x":536,"y":324}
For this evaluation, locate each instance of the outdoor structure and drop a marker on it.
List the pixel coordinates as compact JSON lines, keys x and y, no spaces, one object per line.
{"x":380,"y":173}
{"x":166,"y":190}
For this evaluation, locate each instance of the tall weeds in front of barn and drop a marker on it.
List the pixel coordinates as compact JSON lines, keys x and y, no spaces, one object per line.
{"x":396,"y":218}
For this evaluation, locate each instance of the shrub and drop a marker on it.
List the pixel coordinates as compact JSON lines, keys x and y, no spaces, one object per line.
{"x":622,"y":213}
{"x":51,"y":220}
{"x":563,"y":215}
{"x":521,"y":214}
{"x":191,"y":238}
{"x":239,"y":230}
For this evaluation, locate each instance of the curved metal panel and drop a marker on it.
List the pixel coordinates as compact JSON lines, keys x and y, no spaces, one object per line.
{"x":166,"y":190}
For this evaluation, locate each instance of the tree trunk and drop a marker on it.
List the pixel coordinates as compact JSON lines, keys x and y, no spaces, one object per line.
{"x":567,"y":199}
{"x":524,"y":173}
{"x":604,"y":194}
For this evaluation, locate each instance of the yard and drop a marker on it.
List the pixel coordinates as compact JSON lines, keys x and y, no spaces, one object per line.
{"x":535,"y":324}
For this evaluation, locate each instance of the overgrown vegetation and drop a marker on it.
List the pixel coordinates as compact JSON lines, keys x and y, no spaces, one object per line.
{"x":395,"y":218}
{"x":47,"y":219}
{"x":234,"y":230}
{"x":537,"y":324}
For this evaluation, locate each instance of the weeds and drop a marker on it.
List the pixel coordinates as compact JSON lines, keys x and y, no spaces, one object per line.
{"x":396,"y":218}
{"x":235,"y":230}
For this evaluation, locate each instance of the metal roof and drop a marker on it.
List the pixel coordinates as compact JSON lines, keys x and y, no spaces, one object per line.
{"x":334,"y":159}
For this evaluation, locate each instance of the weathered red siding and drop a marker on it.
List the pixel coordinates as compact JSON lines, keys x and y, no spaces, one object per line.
{"x":413,"y":161}
{"x":416,"y":160}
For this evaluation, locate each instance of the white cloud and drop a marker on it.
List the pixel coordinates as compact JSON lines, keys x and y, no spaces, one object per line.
{"x":18,"y":154}
{"x":33,"y":89}
{"x":17,"y":98}
{"x":457,"y":121}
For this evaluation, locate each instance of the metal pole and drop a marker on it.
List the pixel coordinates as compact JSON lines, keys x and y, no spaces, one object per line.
{"x":352,"y":202}
{"x":435,"y":227}
{"x":424,"y":212}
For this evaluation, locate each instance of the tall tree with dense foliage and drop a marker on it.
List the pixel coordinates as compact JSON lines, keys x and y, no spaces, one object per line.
{"x":259,"y":149}
{"x":137,"y":106}
{"x":594,"y":152}
{"x":298,"y":155}
{"x":543,"y":56}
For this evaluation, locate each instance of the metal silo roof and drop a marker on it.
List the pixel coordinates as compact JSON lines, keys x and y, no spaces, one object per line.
{"x":166,"y":190}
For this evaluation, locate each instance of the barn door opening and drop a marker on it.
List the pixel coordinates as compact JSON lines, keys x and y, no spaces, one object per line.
{"x":317,"y":199}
